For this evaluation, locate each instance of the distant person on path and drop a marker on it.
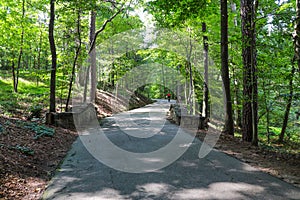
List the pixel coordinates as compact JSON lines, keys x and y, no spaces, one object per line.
{"x":169,"y":97}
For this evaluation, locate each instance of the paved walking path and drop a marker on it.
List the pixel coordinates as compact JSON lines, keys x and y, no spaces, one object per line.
{"x":217,"y":176}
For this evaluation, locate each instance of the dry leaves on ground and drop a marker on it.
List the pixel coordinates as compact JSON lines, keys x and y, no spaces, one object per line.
{"x":27,"y":163}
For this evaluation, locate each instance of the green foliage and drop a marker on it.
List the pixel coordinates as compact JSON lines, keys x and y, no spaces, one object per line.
{"x":174,"y":13}
{"x":30,"y":94}
{"x":274,"y":53}
{"x":24,"y":150}
{"x":40,"y":130}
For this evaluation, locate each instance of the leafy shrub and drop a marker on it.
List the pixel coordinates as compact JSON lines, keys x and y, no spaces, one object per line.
{"x":24,"y":150}
{"x":39,"y":130}
{"x":35,"y":111}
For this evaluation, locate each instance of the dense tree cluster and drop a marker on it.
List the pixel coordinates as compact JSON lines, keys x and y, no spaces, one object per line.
{"x":254,"y":44}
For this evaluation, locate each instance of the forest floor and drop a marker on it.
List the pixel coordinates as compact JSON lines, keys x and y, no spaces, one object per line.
{"x":280,"y":163}
{"x":27,"y":164}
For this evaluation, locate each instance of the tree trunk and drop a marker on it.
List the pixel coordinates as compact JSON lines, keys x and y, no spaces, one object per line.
{"x":238,"y":111}
{"x":296,"y":34}
{"x":53,"y":54}
{"x":228,"y":128}
{"x":75,"y":61}
{"x":254,"y":96}
{"x":112,"y":75}
{"x":86,"y":83}
{"x":16,"y":82}
{"x":288,"y":107}
{"x":163,"y":81}
{"x":93,"y":56}
{"x":13,"y":73}
{"x":191,"y":81}
{"x":267,"y":109}
{"x":237,"y":101}
{"x":40,"y":47}
{"x":249,"y":71}
{"x":205,"y":106}
{"x":191,"y":89}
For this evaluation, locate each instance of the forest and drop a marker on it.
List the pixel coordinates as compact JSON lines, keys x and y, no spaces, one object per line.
{"x":246,"y":51}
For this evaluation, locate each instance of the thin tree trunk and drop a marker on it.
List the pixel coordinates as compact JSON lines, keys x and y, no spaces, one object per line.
{"x":39,"y":51}
{"x":75,"y":61}
{"x":238,"y":111}
{"x":39,"y":57}
{"x":21,"y":49}
{"x":53,"y":54}
{"x":296,"y":34}
{"x":112,"y":74}
{"x":86,"y":82}
{"x":93,"y":42}
{"x":93,"y":57}
{"x":205,"y":105}
{"x":13,"y":73}
{"x":191,"y":82}
{"x":186,"y":90}
{"x":163,"y":80}
{"x":267,"y":110}
{"x":254,"y":95}
{"x":238,"y":116}
{"x":228,"y":128}
{"x":288,"y":107}
{"x":191,"y":89}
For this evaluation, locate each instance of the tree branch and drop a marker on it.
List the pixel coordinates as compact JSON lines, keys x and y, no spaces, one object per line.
{"x":102,"y":28}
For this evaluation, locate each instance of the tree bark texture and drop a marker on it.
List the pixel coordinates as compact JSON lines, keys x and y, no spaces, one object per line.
{"x":78,"y":49}
{"x":93,"y":67}
{"x":296,"y":34}
{"x":249,"y":119}
{"x":228,"y":128}
{"x":288,"y":107}
{"x":13,"y":73}
{"x":205,"y":111}
{"x":254,"y":98}
{"x":16,"y":82}
{"x":53,"y":54}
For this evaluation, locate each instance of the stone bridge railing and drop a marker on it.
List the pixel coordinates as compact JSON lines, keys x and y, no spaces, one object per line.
{"x":178,"y":113}
{"x":81,"y":115}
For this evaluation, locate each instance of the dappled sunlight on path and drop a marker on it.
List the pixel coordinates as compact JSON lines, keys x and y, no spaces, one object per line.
{"x":216,"y":176}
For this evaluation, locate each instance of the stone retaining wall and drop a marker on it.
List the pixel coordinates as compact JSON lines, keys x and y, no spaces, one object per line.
{"x":82,"y":115}
{"x":179,"y":115}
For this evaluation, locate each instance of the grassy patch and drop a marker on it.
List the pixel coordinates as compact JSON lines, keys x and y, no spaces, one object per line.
{"x":29,"y":95}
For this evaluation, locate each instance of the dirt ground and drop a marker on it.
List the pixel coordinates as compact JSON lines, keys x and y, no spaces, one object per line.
{"x":27,"y":164}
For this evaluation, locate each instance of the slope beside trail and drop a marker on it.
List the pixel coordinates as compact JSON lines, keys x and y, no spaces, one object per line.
{"x":27,"y":164}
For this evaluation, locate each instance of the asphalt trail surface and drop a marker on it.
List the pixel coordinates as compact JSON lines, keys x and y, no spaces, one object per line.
{"x":217,"y":176}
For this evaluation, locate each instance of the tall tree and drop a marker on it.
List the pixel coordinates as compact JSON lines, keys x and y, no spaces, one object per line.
{"x":288,"y":106}
{"x":205,"y":110}
{"x":228,"y":128}
{"x":92,"y":39}
{"x":296,"y":34}
{"x":93,"y":67}
{"x":235,"y":57}
{"x":76,"y":57}
{"x":249,"y":126}
{"x":16,"y":77}
{"x":296,"y":37}
{"x":254,"y":99}
{"x":54,"y":57}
